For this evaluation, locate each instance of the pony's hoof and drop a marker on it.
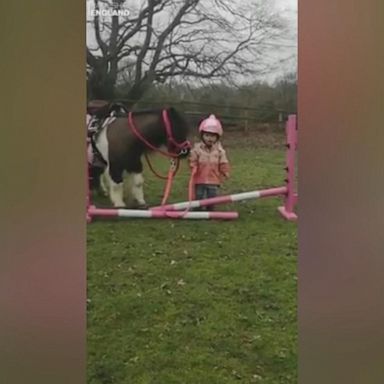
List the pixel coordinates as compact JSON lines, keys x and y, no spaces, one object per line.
{"x":140,"y":204}
{"x":137,"y":205}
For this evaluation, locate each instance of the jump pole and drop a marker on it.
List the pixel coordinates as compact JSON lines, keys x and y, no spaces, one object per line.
{"x":160,"y":214}
{"x":87,"y":179}
{"x":222,"y":199}
{"x":93,"y":211}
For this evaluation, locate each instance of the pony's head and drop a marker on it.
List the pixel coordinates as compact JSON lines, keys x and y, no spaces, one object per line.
{"x":177,"y":131}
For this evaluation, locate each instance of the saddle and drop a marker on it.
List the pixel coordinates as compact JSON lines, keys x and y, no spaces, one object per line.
{"x":101,"y":109}
{"x":100,"y":112}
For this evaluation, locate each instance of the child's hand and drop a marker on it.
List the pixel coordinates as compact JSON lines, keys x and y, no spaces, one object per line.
{"x":224,"y":176}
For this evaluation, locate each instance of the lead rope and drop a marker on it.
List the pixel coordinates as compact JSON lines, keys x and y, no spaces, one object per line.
{"x":190,"y":194}
{"x":153,"y":170}
{"x":171,"y":174}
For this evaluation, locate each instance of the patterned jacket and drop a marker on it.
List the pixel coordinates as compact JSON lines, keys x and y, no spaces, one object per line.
{"x":211,"y":163}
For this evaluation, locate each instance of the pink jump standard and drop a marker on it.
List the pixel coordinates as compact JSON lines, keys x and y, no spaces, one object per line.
{"x":291,"y":196}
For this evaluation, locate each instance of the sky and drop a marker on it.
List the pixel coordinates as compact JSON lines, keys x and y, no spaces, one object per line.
{"x":284,"y":50}
{"x":292,"y":4}
{"x":288,"y":9}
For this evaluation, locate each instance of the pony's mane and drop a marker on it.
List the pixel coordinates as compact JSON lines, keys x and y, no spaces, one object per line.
{"x":148,"y":111}
{"x":177,"y":117}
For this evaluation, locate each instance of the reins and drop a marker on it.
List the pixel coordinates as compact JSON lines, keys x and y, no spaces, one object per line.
{"x":155,"y":172}
{"x":175,"y":160}
{"x":182,"y":146}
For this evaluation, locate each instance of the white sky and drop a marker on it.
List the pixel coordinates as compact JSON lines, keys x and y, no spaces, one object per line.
{"x":287,"y":48}
{"x":288,"y":9}
{"x":292,"y":4}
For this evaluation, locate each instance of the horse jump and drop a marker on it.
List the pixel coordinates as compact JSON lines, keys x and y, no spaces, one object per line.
{"x":288,"y":191}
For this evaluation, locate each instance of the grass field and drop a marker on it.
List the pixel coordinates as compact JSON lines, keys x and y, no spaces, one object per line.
{"x":197,"y":302}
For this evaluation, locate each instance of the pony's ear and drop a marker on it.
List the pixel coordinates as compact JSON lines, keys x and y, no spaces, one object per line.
{"x":174,"y":113}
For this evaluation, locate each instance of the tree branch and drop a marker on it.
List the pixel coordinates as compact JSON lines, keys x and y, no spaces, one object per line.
{"x":187,"y":5}
{"x":103,"y":46}
{"x":147,"y":40}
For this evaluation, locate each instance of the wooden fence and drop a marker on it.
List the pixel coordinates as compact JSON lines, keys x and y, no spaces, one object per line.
{"x":233,"y":117}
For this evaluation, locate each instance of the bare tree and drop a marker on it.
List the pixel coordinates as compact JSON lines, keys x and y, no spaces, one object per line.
{"x":185,"y":39}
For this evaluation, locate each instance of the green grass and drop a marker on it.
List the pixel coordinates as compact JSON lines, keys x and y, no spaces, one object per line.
{"x":197,"y":302}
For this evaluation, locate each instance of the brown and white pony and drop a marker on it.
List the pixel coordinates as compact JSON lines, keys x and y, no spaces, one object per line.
{"x":122,"y":143}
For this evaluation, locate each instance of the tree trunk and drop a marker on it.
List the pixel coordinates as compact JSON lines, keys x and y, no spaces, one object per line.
{"x":101,"y":85}
{"x":138,"y":90}
{"x":102,"y":79}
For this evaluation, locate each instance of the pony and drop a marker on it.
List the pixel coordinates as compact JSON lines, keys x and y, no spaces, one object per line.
{"x":120,"y":142}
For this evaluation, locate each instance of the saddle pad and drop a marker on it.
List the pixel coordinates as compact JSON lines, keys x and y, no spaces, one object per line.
{"x":94,"y":126}
{"x":90,"y":155}
{"x":108,"y":120}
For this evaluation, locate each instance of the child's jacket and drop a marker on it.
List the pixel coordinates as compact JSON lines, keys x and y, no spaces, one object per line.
{"x":211,"y":163}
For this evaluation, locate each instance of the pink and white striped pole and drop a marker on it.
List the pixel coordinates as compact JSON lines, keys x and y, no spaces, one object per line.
{"x":223,"y":199}
{"x":88,"y":201}
{"x":160,"y":214}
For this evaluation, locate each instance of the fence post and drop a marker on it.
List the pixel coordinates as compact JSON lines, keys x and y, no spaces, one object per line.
{"x":246,"y":126}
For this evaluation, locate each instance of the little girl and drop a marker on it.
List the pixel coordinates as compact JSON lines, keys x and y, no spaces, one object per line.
{"x":208,"y":160}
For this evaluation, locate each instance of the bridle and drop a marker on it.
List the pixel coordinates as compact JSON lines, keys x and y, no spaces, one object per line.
{"x":182,"y":149}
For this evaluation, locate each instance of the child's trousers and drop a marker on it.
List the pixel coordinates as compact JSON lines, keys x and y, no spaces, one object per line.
{"x":206,"y":191}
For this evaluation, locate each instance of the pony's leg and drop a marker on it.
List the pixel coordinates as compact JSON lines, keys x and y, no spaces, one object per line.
{"x":137,"y":189}
{"x":116,"y":193}
{"x":103,"y":147}
{"x":116,"y":187}
{"x":128,"y":187}
{"x":104,"y":180}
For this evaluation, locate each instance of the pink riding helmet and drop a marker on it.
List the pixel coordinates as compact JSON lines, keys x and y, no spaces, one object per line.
{"x":211,"y":125}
